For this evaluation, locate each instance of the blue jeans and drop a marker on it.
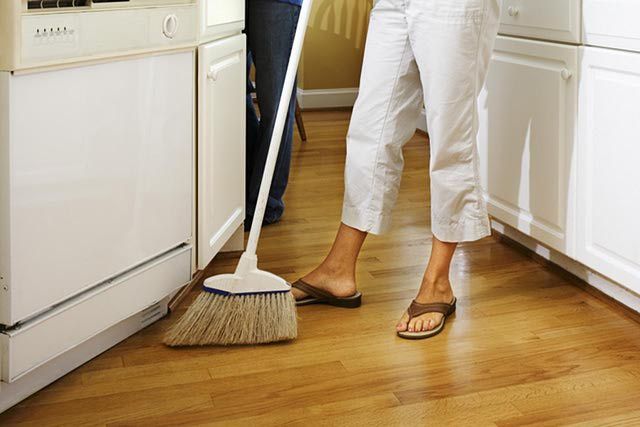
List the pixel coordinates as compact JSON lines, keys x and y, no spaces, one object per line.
{"x":270,"y":29}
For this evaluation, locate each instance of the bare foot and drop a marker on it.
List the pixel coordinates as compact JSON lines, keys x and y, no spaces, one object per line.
{"x":431,"y":291}
{"x":333,"y":280}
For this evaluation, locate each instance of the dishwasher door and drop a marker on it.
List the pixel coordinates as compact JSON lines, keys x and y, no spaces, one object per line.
{"x":100,"y":175}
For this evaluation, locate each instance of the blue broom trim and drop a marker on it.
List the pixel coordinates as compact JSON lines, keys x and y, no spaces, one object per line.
{"x":243,"y":294}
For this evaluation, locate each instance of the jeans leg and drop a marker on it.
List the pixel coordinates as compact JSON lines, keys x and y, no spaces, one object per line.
{"x":253,"y":124}
{"x":270,"y":30}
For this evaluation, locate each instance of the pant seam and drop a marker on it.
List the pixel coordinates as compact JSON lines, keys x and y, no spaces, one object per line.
{"x":384,"y":125}
{"x":476,"y":171}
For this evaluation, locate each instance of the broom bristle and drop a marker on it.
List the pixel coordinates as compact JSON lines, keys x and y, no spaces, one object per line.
{"x":236,"y":319}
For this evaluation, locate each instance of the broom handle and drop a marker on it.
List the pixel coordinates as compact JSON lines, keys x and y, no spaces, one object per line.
{"x":278,"y":129}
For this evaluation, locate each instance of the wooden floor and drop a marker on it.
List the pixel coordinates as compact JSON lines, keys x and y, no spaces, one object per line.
{"x":528,"y":346}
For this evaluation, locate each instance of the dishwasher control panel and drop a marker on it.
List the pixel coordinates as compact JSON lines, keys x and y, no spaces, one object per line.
{"x":49,"y":38}
{"x":43,"y":33}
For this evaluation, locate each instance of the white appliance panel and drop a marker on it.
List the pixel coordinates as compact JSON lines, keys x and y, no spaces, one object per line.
{"x":221,"y":144}
{"x":65,"y":35}
{"x":100,"y":174}
{"x":35,"y":343}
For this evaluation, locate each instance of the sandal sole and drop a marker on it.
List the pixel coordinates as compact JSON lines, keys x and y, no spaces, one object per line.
{"x":353,"y":301}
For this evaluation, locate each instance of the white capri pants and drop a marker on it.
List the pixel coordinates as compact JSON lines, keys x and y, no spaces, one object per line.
{"x":431,"y":52}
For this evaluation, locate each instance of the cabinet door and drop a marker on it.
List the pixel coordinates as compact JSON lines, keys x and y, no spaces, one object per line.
{"x":526,"y":138}
{"x":608,"y":234}
{"x":221,"y":144}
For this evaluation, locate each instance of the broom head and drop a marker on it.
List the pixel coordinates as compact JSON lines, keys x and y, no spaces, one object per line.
{"x":249,"y":307}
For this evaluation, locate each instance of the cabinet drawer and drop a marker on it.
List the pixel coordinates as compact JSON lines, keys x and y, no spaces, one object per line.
{"x":526,"y":138}
{"x":612,"y":23}
{"x":220,"y":17}
{"x":32,"y":344}
{"x":555,"y":20}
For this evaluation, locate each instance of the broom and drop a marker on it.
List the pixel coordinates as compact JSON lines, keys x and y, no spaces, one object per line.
{"x":251,"y":306}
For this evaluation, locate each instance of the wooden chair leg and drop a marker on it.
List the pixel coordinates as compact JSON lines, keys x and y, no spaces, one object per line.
{"x":300,"y":123}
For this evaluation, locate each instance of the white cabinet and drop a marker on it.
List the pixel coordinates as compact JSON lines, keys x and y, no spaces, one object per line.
{"x":220,"y":17}
{"x":612,"y":23}
{"x":542,"y":19}
{"x":221,"y":144}
{"x":608,"y":204}
{"x":526,"y":138}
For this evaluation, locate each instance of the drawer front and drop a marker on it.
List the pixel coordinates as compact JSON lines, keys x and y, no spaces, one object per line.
{"x":33,"y":344}
{"x":612,"y":23}
{"x":554,"y":20}
{"x":219,"y":18}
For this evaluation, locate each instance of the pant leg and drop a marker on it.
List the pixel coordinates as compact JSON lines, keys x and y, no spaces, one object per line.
{"x":253,"y":123}
{"x":271,"y":28}
{"x":452,"y":41}
{"x":384,"y":119}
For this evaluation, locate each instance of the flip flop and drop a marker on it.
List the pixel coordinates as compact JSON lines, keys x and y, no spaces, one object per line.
{"x":416,"y":309}
{"x":318,"y":296}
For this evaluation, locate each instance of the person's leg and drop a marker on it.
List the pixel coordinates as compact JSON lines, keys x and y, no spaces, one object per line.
{"x":270,"y":38}
{"x":337,"y":273}
{"x":435,"y":287}
{"x":384,"y":119}
{"x":452,"y":42}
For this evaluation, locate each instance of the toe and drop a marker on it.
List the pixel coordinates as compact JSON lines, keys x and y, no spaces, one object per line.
{"x":433,"y":322}
{"x":427,"y":325}
{"x":298,"y":294}
{"x":403,"y":324}
{"x":418,"y":326}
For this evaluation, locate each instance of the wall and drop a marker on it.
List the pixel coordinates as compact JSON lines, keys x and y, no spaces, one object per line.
{"x":334,"y":47}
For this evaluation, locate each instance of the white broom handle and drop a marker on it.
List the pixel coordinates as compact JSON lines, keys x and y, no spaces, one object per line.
{"x":278,"y":129}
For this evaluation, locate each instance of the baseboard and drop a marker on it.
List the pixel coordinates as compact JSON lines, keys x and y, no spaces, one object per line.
{"x":340,"y":98}
{"x":327,"y":98}
{"x":603,"y":284}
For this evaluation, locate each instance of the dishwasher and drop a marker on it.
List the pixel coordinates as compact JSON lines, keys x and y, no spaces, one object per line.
{"x":97,"y":151}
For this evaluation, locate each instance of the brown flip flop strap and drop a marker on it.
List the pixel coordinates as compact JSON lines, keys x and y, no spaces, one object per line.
{"x":311,"y":290}
{"x":416,"y":309}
